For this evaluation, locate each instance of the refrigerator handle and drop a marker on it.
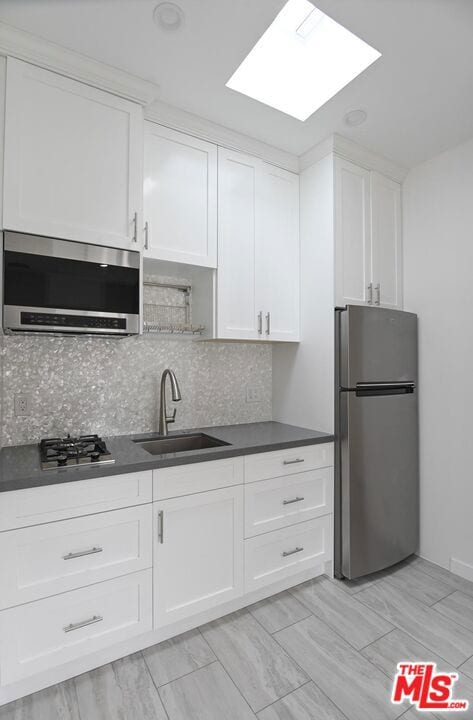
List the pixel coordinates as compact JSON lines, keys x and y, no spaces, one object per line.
{"x":366,"y":389}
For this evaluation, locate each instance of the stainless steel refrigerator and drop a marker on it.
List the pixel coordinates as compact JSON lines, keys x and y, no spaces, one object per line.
{"x":377,"y":475}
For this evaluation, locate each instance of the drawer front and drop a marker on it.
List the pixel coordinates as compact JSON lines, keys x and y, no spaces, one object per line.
{"x":21,"y":508}
{"x":54,"y":631}
{"x":287,"y":462}
{"x":198,"y":477}
{"x":282,"y":553}
{"x":45,"y":560}
{"x":279,"y":502}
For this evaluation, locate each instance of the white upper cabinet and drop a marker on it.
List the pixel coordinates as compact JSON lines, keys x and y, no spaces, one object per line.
{"x":368,"y":245}
{"x":386,"y":241}
{"x":73,"y":159}
{"x":239,"y":193}
{"x":258,"y":250}
{"x":180,"y":197}
{"x":278,"y":255}
{"x":352,"y":234}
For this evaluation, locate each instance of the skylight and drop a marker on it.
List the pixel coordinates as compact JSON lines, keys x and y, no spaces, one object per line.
{"x":303,"y":59}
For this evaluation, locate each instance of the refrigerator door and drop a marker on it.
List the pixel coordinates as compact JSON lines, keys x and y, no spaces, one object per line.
{"x":377,"y":439}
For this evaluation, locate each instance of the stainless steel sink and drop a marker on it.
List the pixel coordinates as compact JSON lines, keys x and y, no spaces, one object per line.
{"x":179,"y":443}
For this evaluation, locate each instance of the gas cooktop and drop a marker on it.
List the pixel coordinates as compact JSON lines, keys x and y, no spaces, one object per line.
{"x":71,"y":452}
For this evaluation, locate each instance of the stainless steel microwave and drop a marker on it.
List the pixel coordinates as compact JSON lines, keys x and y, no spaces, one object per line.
{"x":61,"y":286}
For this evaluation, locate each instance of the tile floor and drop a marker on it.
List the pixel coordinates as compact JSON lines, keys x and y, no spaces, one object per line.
{"x":325,"y":650}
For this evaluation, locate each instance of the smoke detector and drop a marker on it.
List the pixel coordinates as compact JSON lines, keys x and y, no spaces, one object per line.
{"x":355,"y":117}
{"x":168,"y":16}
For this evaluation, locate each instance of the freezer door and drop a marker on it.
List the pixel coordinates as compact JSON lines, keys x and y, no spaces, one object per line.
{"x":377,"y":345}
{"x":379,"y":492}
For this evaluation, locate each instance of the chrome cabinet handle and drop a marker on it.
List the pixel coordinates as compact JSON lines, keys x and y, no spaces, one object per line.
{"x":84,"y":623}
{"x":73,"y":555}
{"x":293,"y":462}
{"x":378,"y":294}
{"x":370,"y":294}
{"x":135,"y":228}
{"x":294,"y":500}
{"x":160,"y":527}
{"x":286,"y":553}
{"x":260,"y":323}
{"x":268,"y":323}
{"x":146,"y":235}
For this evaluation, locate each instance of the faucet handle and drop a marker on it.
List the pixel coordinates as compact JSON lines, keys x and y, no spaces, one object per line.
{"x":171,"y":418}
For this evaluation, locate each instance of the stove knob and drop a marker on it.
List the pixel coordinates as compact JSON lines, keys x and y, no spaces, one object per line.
{"x":61,"y":459}
{"x":95,"y":455}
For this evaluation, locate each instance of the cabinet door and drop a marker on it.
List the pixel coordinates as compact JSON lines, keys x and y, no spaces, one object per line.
{"x":73,"y":159}
{"x":238,"y":199}
{"x":198,"y":560}
{"x":386,"y":241}
{"x":277,"y":275}
{"x":352,"y":234}
{"x":180,"y":197}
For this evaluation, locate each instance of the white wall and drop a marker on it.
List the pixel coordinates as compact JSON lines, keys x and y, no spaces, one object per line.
{"x":438,"y":285}
{"x":303,"y":375}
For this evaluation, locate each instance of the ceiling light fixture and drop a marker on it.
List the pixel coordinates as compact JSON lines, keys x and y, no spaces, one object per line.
{"x":302,"y":60}
{"x":168,"y":16}
{"x":355,"y":117}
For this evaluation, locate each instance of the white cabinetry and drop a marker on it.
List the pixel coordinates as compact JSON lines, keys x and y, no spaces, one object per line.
{"x":367,"y":237}
{"x":198,"y":553}
{"x":258,"y":250}
{"x":73,"y":159}
{"x":180,"y":197}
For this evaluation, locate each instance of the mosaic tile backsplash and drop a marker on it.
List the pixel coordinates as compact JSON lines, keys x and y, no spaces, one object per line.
{"x":110,"y":386}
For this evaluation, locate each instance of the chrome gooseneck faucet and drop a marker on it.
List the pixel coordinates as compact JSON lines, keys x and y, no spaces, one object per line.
{"x":164,"y":418}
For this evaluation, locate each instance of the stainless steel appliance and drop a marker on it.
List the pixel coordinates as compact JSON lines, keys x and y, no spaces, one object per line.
{"x":71,"y":452}
{"x":61,"y":286}
{"x":377,"y":477}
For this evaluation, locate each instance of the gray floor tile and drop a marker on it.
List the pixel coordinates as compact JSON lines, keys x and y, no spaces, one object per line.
{"x":349,"y":618}
{"x":178,"y":656}
{"x":258,"y":666}
{"x":413,"y":580}
{"x":354,"y":586}
{"x":279,"y":611}
{"x":123,"y":689}
{"x":437,"y":633}
{"x":305,"y":703}
{"x":413,"y":714}
{"x":55,"y":703}
{"x":353,"y":684}
{"x":397,"y":646}
{"x":454,"y":581}
{"x":205,"y":694}
{"x":467,"y":668}
{"x":458,"y":607}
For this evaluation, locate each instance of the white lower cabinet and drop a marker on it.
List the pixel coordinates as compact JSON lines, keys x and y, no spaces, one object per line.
{"x":282,"y":553}
{"x":198,"y":553}
{"x":47,"y":633}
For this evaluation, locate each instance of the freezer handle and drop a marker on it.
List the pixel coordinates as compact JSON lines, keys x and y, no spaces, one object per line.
{"x":366,"y":389}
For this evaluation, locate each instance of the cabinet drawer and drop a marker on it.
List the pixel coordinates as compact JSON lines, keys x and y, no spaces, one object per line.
{"x":278,"y":502}
{"x":282,"y":553}
{"x":198,"y":477}
{"x":45,"y":560}
{"x":287,"y":462}
{"x":46,"y":633}
{"x":20,"y":508}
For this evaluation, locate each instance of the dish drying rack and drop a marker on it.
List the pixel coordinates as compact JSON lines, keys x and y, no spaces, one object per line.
{"x":170,"y":318}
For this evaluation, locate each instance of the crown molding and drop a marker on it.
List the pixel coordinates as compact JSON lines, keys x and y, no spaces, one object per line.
{"x":349,"y":150}
{"x":24,"y":46}
{"x":186,"y":122}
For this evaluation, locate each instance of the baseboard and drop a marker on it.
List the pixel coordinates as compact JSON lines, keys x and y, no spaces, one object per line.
{"x":458,"y":567}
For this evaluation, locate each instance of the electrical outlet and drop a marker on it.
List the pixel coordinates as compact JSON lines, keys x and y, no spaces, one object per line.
{"x":253,"y":394}
{"x":22,"y":404}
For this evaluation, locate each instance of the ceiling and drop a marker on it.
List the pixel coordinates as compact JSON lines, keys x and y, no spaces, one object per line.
{"x":418,"y":96}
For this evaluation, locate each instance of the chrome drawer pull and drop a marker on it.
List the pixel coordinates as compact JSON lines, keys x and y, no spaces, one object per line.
{"x":84,"y":623}
{"x":73,"y":555}
{"x":160,"y":527}
{"x":286,"y":553}
{"x":289,"y":502}
{"x":293,"y":462}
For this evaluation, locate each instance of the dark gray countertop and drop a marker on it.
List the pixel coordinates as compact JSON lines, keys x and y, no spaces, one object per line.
{"x":20,"y":468}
